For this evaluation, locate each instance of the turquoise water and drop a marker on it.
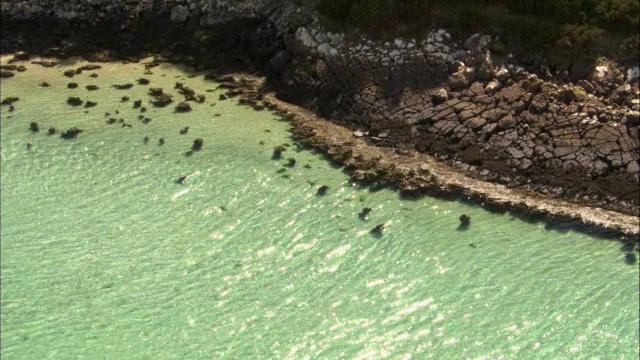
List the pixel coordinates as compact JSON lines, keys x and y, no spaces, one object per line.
{"x":104,"y":255}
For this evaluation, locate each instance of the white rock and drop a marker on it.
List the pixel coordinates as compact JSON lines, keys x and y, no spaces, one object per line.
{"x":492,"y":87}
{"x":600,"y":72}
{"x":633,"y":73}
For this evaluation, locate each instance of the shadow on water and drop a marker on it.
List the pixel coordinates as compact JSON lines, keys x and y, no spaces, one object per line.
{"x":630,"y":244}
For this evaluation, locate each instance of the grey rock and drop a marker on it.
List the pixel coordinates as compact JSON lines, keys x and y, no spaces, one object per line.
{"x":507,"y":122}
{"x":458,"y":81}
{"x":179,"y":14}
{"x":476,"y":123}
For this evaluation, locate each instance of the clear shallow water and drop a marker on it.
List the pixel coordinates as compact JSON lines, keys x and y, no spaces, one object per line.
{"x":105,"y":256}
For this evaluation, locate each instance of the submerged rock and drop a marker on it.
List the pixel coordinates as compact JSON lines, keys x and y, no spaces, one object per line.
{"x":197,"y":144}
{"x":74,"y":101}
{"x":71,"y":133}
{"x":9,"y":100}
{"x":183,"y":107}
{"x":363,"y":214}
{"x":92,"y":87}
{"x":51,"y":131}
{"x":69,"y":73}
{"x":184,"y":131}
{"x":465,"y":221}
{"x":162,"y":100}
{"x":277,"y":152}
{"x":34,"y":127}
{"x":123,"y":86}
{"x":72,"y":85}
{"x":322,"y":190}
{"x":378,"y":230}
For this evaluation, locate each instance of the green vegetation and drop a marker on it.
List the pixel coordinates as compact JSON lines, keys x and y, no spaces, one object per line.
{"x":567,"y":32}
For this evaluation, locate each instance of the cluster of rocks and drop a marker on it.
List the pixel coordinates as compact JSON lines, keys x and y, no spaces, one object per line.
{"x":469,"y":104}
{"x":475,"y":111}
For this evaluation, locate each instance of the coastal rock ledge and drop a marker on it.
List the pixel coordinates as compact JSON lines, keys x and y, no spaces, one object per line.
{"x":452,"y":103}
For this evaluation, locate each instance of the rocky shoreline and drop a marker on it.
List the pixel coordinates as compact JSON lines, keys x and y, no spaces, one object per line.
{"x":430,"y":114}
{"x":415,"y":174}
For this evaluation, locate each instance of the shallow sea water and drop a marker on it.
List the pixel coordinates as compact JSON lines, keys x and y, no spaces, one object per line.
{"x":104,"y":255}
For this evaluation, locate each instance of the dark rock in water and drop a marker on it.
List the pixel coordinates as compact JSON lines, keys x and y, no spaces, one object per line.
{"x":90,"y":104}
{"x":112,"y":121}
{"x":121,"y":120}
{"x":143,"y":109}
{"x":44,"y":84}
{"x":363,"y":214}
{"x":51,"y":131}
{"x":74,"y":101}
{"x":29,"y":146}
{"x":124,"y":99}
{"x":123,"y":86}
{"x":140,"y":117}
{"x":43,"y":63}
{"x":291,"y":162}
{"x":70,"y":73}
{"x":322,"y":190}
{"x":378,"y":230}
{"x":89,"y":67}
{"x":161,"y":141}
{"x":143,"y":81}
{"x":21,"y":68}
{"x":188,"y":153}
{"x":277,"y":152}
{"x":162,"y":100}
{"x":630,"y":258}
{"x":200,"y":98}
{"x":146,"y":139}
{"x":8,"y":67}
{"x":184,"y":131}
{"x":11,"y":108}
{"x":9,"y":100}
{"x":189,"y":94}
{"x":197,"y":144}
{"x":146,"y":120}
{"x":6,"y":74}
{"x":181,"y":180}
{"x":72,"y":85}
{"x":34,"y":127}
{"x":94,"y":75}
{"x":21,"y":56}
{"x":137,"y":104}
{"x":156,"y":92}
{"x":183,"y":107}
{"x":465,"y":221}
{"x":222,"y":97}
{"x":127,"y":125}
{"x":92,"y":87}
{"x":71,"y":133}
